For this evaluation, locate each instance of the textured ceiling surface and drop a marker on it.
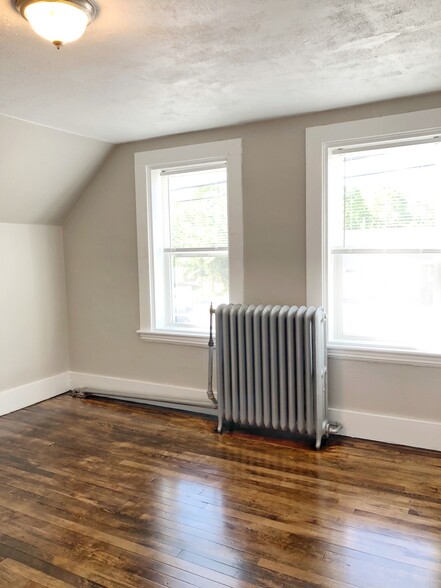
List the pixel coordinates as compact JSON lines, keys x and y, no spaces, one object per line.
{"x":147,"y":68}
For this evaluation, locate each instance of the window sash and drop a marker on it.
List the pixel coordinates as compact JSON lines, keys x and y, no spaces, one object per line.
{"x":419,"y":304}
{"x":172,"y":204}
{"x":161,"y":237}
{"x":169,"y":289}
{"x":335,"y":283}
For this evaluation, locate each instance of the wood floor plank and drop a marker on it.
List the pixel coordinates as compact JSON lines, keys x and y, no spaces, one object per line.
{"x":103,"y":493}
{"x":31,"y":574}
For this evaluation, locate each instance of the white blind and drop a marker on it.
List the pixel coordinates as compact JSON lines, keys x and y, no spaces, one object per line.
{"x":391,"y":197}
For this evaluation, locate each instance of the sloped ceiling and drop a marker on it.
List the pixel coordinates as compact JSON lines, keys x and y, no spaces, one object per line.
{"x":149,"y":68}
{"x":42,"y":171}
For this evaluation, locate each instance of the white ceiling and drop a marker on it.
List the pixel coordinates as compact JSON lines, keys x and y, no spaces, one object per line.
{"x":153,"y":67}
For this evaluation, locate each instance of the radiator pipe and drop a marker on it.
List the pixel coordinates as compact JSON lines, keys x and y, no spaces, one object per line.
{"x":210,"y":392}
{"x":332,"y":428}
{"x":155,"y":400}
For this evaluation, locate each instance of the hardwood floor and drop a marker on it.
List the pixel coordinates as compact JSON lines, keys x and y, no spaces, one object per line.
{"x":100,"y":493}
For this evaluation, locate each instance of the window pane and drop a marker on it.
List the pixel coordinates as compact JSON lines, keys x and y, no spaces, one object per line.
{"x":197,"y":280}
{"x":391,"y":197}
{"x":385,"y":247}
{"x":195,"y":209}
{"x":392,"y":299}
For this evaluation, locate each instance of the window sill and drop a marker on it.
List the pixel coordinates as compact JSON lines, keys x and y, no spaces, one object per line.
{"x":379,"y":355}
{"x":193,"y":340}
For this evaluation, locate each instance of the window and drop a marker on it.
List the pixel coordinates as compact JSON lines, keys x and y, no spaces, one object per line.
{"x":190,"y":243}
{"x":377,"y":265}
{"x":189,"y":209}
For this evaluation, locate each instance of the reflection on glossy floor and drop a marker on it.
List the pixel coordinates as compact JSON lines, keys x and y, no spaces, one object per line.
{"x":100,"y":493}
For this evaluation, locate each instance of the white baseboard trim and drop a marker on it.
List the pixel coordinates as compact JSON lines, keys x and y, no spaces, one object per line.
{"x":28,"y":394}
{"x":376,"y":427}
{"x":389,"y":429}
{"x":142,"y":391}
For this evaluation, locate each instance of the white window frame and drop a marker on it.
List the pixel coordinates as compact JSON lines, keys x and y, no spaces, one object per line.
{"x":319,"y":141}
{"x":146,"y":162}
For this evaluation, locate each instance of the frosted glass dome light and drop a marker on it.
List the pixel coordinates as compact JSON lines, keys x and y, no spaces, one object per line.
{"x":58,"y":21}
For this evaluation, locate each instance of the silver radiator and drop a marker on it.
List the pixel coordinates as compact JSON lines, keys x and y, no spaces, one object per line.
{"x":271,"y":368}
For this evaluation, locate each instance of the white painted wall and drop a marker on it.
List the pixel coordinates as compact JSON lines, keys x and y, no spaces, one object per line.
{"x":33,"y":323}
{"x":102,"y":278}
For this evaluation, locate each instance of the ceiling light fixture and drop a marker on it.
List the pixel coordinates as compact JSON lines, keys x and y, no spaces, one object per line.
{"x":58,"y":21}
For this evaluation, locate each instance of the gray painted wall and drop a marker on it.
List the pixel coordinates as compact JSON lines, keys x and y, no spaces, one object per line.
{"x":42,"y":170}
{"x":33,"y":323}
{"x":102,"y":275}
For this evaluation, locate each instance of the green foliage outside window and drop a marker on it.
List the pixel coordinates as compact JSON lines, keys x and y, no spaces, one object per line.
{"x":386,"y":210}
